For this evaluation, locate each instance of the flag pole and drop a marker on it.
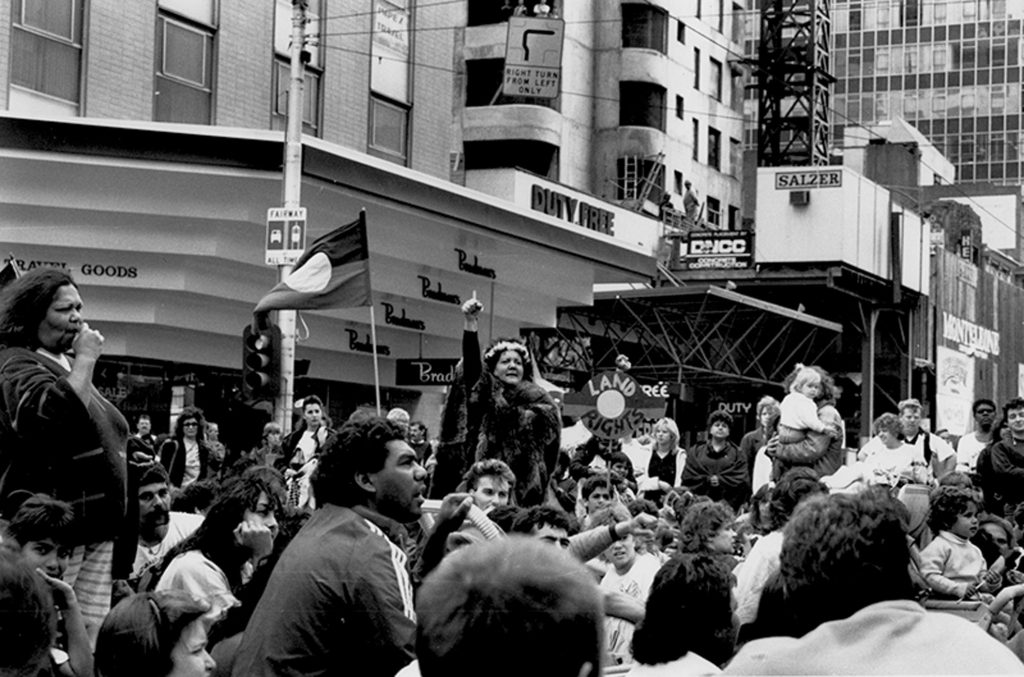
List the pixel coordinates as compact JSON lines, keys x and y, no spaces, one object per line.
{"x":376,"y":368}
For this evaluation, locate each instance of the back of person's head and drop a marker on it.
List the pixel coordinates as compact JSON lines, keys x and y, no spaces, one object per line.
{"x":28,"y":621}
{"x":534,"y":600}
{"x":530,"y":519}
{"x":489,"y":467}
{"x":196,"y":498}
{"x":794,"y":486}
{"x":399,"y":416}
{"x":946,"y":504}
{"x":153,"y":473}
{"x":689,"y":609}
{"x":41,"y":517}
{"x":702,"y":523}
{"x":642,"y":506}
{"x":139,"y":634}
{"x":841,"y":553}
{"x":956,"y":479}
{"x":505,"y":515}
{"x":360,"y":447}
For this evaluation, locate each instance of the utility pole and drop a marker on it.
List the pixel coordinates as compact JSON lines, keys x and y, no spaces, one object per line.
{"x":292,"y":200}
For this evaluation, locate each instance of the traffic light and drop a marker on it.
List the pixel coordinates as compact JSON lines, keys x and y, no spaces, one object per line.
{"x":261,"y":361}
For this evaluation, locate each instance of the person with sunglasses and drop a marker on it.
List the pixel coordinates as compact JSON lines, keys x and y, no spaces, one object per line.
{"x":186,"y":454}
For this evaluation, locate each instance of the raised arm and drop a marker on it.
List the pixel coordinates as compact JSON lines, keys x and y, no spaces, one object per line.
{"x":471,"y":365}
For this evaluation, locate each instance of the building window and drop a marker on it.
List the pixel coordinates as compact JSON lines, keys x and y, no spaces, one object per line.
{"x":389,"y":130}
{"x":716,"y":79}
{"x":485,"y":12}
{"x":714,"y":211}
{"x":46,"y":47}
{"x":680,"y":108}
{"x":696,"y":139}
{"x":310,"y":96}
{"x":184,"y":64}
{"x":734,"y":217}
{"x":642,"y":104}
{"x":696,"y":69}
{"x":645,"y":26}
{"x":677,"y":182}
{"x":714,"y":148}
{"x":639,"y":178}
{"x":681,"y":32}
{"x":735,"y":158}
{"x":533,"y":156}
{"x":311,"y":90}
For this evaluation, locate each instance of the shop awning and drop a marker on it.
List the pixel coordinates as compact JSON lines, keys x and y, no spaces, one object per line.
{"x":703,"y":335}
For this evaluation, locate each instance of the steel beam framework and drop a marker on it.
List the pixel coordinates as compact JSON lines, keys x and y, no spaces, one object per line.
{"x":709,"y":338}
{"x":794,"y":83}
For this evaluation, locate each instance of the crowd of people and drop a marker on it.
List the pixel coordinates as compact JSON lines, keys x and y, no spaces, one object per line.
{"x":320,"y":553}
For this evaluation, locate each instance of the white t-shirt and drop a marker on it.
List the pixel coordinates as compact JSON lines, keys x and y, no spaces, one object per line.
{"x":192,"y":463}
{"x":197,"y":575}
{"x":180,"y":526}
{"x":967,"y":451}
{"x":637,"y":584}
{"x":690,"y":665}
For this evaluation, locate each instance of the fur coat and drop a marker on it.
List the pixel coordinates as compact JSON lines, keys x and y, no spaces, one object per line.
{"x":518,"y":424}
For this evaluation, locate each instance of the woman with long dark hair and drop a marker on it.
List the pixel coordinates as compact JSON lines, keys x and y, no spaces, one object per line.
{"x":498,"y":410}
{"x":58,"y":435}
{"x":186,"y":454}
{"x":237,"y":533}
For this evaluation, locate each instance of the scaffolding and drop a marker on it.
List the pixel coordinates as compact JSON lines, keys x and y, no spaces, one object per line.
{"x":794,"y":81}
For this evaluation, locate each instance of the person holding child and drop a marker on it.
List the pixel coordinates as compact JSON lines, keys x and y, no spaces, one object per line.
{"x":811,"y":430}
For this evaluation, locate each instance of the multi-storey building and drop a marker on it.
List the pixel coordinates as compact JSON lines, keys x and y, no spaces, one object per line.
{"x":952,"y":68}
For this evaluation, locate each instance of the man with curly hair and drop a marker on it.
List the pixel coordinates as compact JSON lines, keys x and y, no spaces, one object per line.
{"x":845,"y":572}
{"x":340,"y":595}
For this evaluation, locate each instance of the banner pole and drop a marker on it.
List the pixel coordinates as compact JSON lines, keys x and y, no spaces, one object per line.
{"x":376,"y":368}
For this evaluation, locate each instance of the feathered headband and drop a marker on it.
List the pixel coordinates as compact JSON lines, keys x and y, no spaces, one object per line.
{"x":502,"y":346}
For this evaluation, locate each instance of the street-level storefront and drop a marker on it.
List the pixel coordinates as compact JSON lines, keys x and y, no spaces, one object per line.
{"x":164,"y":228}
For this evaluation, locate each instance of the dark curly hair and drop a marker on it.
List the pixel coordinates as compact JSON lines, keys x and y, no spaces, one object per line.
{"x":41,"y":517}
{"x":689,"y":609}
{"x":25,"y":302}
{"x":794,"y":486}
{"x":360,"y":447}
{"x":215,"y":536}
{"x":702,"y":523}
{"x":947,"y":503}
{"x":720,"y":417}
{"x":842,"y":553}
{"x":541,"y":515}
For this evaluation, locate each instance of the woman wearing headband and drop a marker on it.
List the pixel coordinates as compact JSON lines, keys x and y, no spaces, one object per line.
{"x":497,"y":410}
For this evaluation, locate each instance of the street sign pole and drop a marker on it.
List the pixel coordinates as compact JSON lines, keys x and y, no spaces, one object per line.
{"x":292,"y":199}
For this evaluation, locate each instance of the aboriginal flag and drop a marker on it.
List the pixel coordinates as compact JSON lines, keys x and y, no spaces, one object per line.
{"x":334,"y":272}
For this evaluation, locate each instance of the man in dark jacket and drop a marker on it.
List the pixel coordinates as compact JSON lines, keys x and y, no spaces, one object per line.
{"x":340,"y":600}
